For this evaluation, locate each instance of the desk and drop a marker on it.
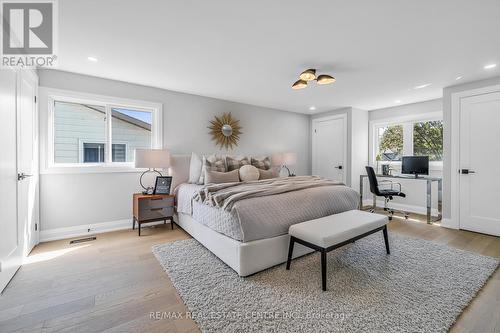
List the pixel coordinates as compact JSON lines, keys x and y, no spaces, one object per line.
{"x":429,"y":181}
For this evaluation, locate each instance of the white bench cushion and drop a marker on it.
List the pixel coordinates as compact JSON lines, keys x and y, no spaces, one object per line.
{"x":334,"y":229}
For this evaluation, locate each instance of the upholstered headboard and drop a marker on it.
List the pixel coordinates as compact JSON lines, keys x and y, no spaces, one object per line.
{"x":179,"y":170}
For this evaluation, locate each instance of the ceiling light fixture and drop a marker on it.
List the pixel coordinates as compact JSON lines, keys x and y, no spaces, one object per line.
{"x":93,"y":59}
{"x":422,"y":86}
{"x":310,"y":75}
{"x":397,"y":101}
{"x":312,"y":108}
{"x":490,"y":66}
{"x":458,"y":78}
{"x":325,"y":79}
{"x":299,"y":84}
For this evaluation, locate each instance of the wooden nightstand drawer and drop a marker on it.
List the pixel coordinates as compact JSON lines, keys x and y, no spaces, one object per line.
{"x":155,"y":213}
{"x":160,"y":202}
{"x":152,"y":207}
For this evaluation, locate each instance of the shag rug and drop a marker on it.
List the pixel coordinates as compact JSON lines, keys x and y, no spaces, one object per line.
{"x":420,"y":287}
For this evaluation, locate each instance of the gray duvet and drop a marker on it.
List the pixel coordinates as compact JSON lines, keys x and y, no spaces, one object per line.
{"x":255,"y":216}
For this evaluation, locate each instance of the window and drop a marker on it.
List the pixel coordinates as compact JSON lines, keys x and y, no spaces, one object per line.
{"x":119,"y":152}
{"x":416,"y":137}
{"x":390,"y":139}
{"x":95,"y":131}
{"x":428,"y":139}
{"x":93,"y":152}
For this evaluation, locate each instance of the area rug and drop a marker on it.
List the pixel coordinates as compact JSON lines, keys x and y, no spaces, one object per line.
{"x":420,"y":287}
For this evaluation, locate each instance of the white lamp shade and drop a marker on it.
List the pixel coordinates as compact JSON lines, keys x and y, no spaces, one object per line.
{"x":284,"y":159}
{"x":289,"y":158}
{"x":152,"y":158}
{"x":277,"y":160}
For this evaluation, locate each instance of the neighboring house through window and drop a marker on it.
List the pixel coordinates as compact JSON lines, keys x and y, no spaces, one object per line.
{"x":97,"y":131}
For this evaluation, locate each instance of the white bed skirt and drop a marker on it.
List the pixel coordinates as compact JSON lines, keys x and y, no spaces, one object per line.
{"x":245,"y":258}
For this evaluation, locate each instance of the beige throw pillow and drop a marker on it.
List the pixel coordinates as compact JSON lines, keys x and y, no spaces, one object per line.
{"x":216,"y":177}
{"x":249,"y":173}
{"x":268,"y":174}
{"x":236,"y":162}
{"x":212,"y":163}
{"x":263,"y":163}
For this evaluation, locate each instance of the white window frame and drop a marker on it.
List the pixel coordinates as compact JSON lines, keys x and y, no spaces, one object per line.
{"x":55,"y":95}
{"x":407,"y":123}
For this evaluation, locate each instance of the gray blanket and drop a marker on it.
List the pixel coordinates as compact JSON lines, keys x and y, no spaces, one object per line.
{"x":265,"y":216}
{"x":226,"y":195}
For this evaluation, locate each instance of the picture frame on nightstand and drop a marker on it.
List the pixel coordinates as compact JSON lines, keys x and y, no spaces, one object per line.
{"x":162,"y":185}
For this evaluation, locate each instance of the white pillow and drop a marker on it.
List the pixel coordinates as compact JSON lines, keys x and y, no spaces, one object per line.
{"x":249,"y":173}
{"x":194,"y":169}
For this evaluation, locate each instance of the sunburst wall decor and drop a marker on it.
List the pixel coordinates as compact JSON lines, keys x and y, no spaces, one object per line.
{"x":225,"y":131}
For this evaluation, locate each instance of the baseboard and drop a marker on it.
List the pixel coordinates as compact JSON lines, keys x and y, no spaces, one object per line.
{"x":403,"y":207}
{"x":86,"y":230}
{"x":448,"y":223}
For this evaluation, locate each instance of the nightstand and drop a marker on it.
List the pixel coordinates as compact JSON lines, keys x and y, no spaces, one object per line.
{"x":152,"y":207}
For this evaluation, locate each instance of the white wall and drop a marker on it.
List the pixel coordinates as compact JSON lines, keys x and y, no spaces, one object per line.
{"x":359,"y":145}
{"x":415,"y":190}
{"x":81,"y":199}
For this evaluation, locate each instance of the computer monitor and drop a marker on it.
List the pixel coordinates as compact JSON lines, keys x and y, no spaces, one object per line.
{"x":415,"y":165}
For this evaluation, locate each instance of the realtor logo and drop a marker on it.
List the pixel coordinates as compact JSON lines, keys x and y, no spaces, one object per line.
{"x":28,"y":33}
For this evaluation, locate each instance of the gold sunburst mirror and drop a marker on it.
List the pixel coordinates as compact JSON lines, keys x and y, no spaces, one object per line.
{"x":225,"y":130}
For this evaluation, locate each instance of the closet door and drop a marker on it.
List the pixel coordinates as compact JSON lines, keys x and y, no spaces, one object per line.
{"x":27,"y":159}
{"x":19,"y":212}
{"x":11,"y":240}
{"x":479,"y":161}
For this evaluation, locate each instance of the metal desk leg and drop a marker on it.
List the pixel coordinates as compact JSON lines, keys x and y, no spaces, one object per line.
{"x":440,"y":199}
{"x":361,"y":192}
{"x":429,"y":200}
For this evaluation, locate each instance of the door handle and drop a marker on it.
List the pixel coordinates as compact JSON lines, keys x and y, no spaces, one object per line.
{"x":339,"y":167}
{"x":467,"y":171}
{"x":22,"y":175}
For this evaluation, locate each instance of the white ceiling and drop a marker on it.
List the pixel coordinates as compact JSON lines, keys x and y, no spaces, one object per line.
{"x":252,"y":51}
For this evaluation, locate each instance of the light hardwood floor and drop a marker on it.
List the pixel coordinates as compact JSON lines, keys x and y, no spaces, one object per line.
{"x":114,"y":283}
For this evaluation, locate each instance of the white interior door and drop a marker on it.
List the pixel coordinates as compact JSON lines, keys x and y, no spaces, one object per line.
{"x":11,"y":250}
{"x":330,"y":147}
{"x":479,"y":161}
{"x":27,"y":159}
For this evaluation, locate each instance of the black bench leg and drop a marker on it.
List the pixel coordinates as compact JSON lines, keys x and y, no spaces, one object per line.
{"x":386,"y":239}
{"x":290,"y":252}
{"x":323,"y":269}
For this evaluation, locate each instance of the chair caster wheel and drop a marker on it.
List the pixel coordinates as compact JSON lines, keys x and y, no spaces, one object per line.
{"x":406,"y":216}
{"x":390,"y":218}
{"x":372,"y":210}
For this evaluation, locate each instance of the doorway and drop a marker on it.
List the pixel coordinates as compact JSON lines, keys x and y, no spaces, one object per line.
{"x":329,"y":147}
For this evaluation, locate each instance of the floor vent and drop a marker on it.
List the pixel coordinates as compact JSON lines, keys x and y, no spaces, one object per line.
{"x":82,"y":240}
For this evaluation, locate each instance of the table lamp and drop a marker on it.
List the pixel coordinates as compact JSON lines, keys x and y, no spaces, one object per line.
{"x":151,"y":159}
{"x":284,"y":160}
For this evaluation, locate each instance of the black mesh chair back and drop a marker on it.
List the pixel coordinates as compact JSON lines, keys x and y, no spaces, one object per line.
{"x":373,"y":181}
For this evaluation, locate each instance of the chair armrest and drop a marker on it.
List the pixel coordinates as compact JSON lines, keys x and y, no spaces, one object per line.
{"x":391,"y":183}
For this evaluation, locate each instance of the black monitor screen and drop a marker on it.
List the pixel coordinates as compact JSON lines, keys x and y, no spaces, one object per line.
{"x":417,"y":165}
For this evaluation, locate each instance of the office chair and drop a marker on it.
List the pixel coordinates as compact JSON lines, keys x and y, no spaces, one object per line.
{"x":388,"y":194}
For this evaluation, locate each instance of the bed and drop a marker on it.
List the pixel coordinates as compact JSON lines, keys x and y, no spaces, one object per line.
{"x":251,"y":234}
